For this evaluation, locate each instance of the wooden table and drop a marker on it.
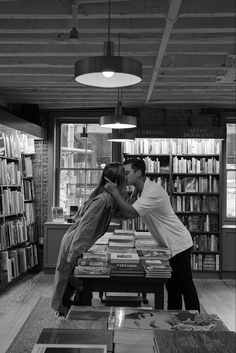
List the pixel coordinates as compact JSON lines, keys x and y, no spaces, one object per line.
{"x":126,"y":284}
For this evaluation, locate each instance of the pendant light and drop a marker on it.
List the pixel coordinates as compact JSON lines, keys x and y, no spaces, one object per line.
{"x":118,"y":120}
{"x":121,"y":136}
{"x":108,"y":71}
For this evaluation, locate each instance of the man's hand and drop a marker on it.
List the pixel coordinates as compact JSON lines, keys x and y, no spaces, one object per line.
{"x":111,"y":187}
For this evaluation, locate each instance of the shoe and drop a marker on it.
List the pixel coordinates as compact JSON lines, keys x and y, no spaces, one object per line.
{"x":60,"y":315}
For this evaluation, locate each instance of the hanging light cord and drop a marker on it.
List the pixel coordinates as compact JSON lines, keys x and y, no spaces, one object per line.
{"x":119,"y":90}
{"x":109,"y":19}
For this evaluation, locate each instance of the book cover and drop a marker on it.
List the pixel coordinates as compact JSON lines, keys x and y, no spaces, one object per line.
{"x":92,"y":271}
{"x":57,"y":214}
{"x":195,"y":342}
{"x":89,"y":314}
{"x":160,"y":253}
{"x":124,"y":258}
{"x":135,"y":347}
{"x":127,"y":269}
{"x":127,"y":318}
{"x":96,"y":338}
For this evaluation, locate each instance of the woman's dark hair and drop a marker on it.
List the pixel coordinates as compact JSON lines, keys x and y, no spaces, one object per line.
{"x":136,"y":164}
{"x":115,"y":171}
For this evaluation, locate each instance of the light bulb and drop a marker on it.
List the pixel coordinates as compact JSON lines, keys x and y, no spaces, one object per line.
{"x":108,"y":74}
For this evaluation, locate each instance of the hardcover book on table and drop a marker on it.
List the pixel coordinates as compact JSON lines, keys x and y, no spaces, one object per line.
{"x":88,"y":313}
{"x":127,"y":269}
{"x":83,"y":338}
{"x":188,"y":320}
{"x":68,"y":348}
{"x":124,"y":258}
{"x":195,"y":342}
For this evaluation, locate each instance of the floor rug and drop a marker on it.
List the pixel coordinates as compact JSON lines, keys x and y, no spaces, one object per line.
{"x":42,"y":316}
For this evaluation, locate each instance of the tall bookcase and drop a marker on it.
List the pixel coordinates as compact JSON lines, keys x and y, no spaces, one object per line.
{"x":189,"y":170}
{"x":18,"y":233}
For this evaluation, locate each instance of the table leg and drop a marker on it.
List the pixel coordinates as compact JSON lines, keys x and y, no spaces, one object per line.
{"x":159,"y":296}
{"x":87,"y":295}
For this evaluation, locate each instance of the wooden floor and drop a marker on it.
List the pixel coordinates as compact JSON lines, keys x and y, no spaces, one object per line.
{"x":17,"y":301}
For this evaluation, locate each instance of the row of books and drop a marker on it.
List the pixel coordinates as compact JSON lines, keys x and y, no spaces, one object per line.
{"x":176,"y":146}
{"x":204,"y":184}
{"x":14,"y":143}
{"x":14,"y":262}
{"x":196,"y":165}
{"x":205,"y":242}
{"x":11,"y":202}
{"x":195,"y":146}
{"x":198,"y":223}
{"x":147,"y":146}
{"x":28,"y":189}
{"x":195,"y":203}
{"x":13,"y":233}
{"x":9,"y":173}
{"x":155,"y":165}
{"x":205,"y":262}
{"x":137,"y":330}
{"x":26,"y":166}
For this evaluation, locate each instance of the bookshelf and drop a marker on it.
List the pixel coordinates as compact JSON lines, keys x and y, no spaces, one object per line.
{"x":18,"y":232}
{"x":189,"y":170}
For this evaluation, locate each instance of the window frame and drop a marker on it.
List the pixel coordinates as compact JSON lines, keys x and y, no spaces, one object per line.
{"x":57,"y":146}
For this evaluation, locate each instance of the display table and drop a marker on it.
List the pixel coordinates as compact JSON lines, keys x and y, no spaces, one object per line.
{"x":124,"y":284}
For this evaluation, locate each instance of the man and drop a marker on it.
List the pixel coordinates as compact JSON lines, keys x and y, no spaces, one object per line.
{"x":154,"y":207}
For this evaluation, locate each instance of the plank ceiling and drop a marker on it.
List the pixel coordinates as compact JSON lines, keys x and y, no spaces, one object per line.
{"x":187,"y":49}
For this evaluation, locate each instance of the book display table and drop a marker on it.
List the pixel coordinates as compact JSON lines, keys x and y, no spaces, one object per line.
{"x":126,"y":284}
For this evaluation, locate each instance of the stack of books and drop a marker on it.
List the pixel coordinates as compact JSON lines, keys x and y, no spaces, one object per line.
{"x":92,"y":267}
{"x":121,"y":241}
{"x":156,"y":262}
{"x":157,"y":268}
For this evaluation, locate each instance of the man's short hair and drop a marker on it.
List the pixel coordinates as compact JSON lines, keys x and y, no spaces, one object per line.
{"x":136,"y":164}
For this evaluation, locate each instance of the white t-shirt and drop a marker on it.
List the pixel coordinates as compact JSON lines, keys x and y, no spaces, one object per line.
{"x":155,"y":209}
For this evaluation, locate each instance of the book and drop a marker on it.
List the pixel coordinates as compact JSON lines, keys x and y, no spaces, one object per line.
{"x":157,"y":253}
{"x":86,"y":338}
{"x":124,"y":258}
{"x":92,"y":271}
{"x":136,"y":346}
{"x":57,"y":214}
{"x":127,"y":269}
{"x":141,"y":319}
{"x":67,"y":348}
{"x":73,"y":210}
{"x":196,"y":342}
{"x":89,"y":313}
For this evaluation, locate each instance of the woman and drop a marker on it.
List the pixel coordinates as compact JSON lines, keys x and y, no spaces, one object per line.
{"x":91,"y":222}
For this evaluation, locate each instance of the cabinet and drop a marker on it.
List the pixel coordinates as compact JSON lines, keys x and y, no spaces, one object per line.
{"x":53,"y":233}
{"x":18,"y":235}
{"x":189,"y":170}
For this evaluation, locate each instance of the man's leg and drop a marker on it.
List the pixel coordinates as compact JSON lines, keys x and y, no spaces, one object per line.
{"x":183,"y":282}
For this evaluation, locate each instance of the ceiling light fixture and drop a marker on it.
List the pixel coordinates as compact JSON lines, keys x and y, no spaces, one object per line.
{"x":108,"y":71}
{"x":118,"y":121}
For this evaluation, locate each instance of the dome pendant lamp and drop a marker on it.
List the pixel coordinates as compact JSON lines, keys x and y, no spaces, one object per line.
{"x":118,"y":121}
{"x":108,"y":71}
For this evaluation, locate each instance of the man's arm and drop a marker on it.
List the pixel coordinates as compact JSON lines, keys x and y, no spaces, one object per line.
{"x":126,"y":208}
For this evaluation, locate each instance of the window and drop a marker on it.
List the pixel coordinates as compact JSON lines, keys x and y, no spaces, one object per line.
{"x":84,"y":151}
{"x":231,"y":171}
